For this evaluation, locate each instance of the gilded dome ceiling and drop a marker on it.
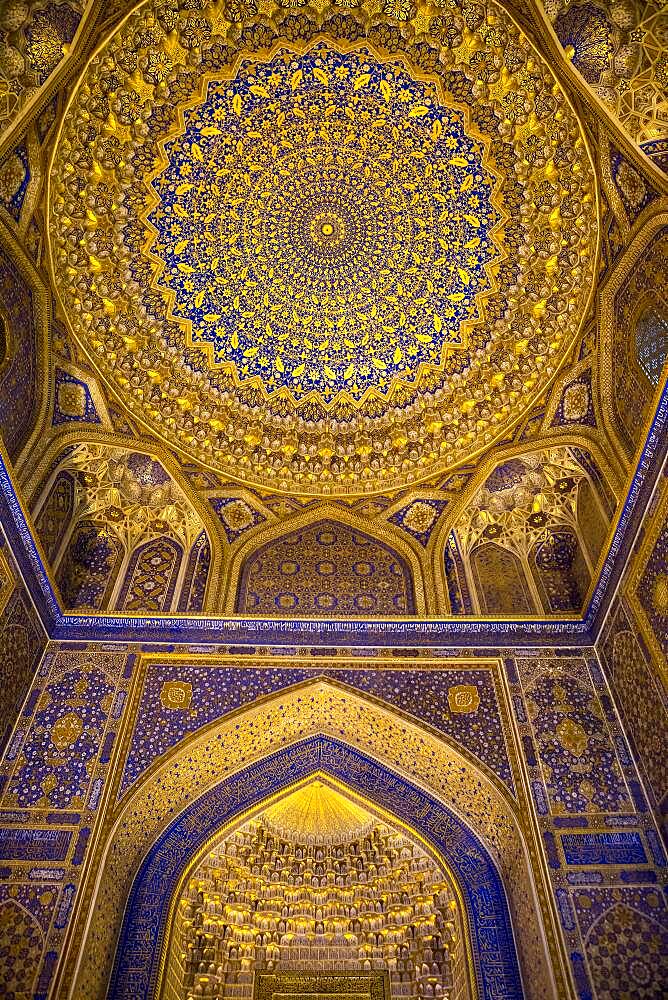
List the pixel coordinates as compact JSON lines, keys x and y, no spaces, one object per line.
{"x":314,"y":252}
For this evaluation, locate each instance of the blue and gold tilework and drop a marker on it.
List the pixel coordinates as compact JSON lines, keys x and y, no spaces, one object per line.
{"x":576,"y":405}
{"x":326,"y":569}
{"x":18,"y":373}
{"x":289,"y":257}
{"x":494,"y":957}
{"x":26,"y":912}
{"x":296,"y":331}
{"x":34,"y":37}
{"x":651,"y":575}
{"x":63,"y":735}
{"x":179,"y":698}
{"x":636,"y":193}
{"x":420,"y":518}
{"x":640,"y":695}
{"x":573,"y":742}
{"x":22,"y":642}
{"x":14,"y":179}
{"x":619,"y":48}
{"x":625,"y":931}
{"x":236,"y":515}
{"x":73,"y":400}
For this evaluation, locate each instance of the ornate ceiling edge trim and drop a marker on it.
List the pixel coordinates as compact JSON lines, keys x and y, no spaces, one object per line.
{"x":563,"y":68}
{"x":390,"y":632}
{"x":66,"y":68}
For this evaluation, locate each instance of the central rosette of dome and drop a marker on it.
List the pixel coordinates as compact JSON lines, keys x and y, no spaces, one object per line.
{"x":324,"y":224}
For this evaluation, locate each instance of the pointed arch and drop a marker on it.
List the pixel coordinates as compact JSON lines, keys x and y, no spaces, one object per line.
{"x":151,"y":576}
{"x":501,"y":583}
{"x":585,"y":454}
{"x":193,"y":588}
{"x":402,"y":754}
{"x":89,"y":566}
{"x":17,"y":965}
{"x":493,"y":954}
{"x":57,"y":457}
{"x":383,"y":536}
{"x":53,"y":520}
{"x":627,"y":949}
{"x":560,"y":571}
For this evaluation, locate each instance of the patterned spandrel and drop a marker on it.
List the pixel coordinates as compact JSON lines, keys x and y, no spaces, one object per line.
{"x":178,"y":699}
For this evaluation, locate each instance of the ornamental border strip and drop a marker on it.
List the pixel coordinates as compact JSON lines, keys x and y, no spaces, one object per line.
{"x":429,"y":633}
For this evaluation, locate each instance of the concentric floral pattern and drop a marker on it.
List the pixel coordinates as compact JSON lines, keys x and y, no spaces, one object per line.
{"x":288,"y":252}
{"x":323,"y":250}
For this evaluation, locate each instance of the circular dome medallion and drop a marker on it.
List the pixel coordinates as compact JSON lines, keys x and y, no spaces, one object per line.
{"x":319,"y":261}
{"x":325,"y":225}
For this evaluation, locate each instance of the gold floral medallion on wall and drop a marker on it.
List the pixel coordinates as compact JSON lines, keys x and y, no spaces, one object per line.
{"x":315,"y":253}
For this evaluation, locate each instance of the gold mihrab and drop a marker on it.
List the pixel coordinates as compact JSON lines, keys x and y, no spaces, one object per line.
{"x":321,"y":261}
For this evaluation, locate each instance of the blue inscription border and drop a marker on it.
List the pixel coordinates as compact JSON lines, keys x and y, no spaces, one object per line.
{"x":137,"y":962}
{"x":173,"y":629}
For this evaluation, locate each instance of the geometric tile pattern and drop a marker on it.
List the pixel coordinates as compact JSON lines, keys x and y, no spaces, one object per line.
{"x":20,"y":941}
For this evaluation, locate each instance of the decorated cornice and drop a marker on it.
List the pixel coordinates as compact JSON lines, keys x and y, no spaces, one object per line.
{"x":433,"y":633}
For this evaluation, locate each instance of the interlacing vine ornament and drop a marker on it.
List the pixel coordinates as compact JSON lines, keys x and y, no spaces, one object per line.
{"x":323,"y":251}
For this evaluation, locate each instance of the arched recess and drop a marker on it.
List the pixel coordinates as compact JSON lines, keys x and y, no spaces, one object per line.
{"x":493,"y":953}
{"x":501,"y":583}
{"x":617,"y":326}
{"x":517,"y":495}
{"x":196,"y":579}
{"x":387,"y":540}
{"x":87,"y":462}
{"x":17,"y":966}
{"x":236,"y":762}
{"x":150,"y":579}
{"x":55,"y":516}
{"x":89,"y":567}
{"x":560,"y":571}
{"x":627,"y":952}
{"x":592,"y":517}
{"x":317,"y":867}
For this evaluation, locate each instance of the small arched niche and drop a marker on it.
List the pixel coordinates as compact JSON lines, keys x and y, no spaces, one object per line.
{"x":501,"y":581}
{"x":120,"y":533}
{"x":317,"y":894}
{"x":560,"y":571}
{"x":651,"y":343}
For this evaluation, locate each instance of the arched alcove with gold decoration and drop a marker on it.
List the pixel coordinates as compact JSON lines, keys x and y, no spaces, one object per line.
{"x":384,"y":767}
{"x":315,"y":893}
